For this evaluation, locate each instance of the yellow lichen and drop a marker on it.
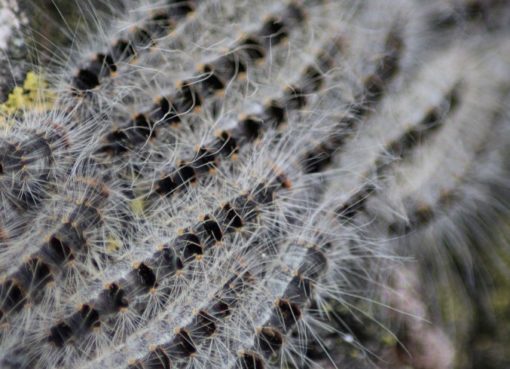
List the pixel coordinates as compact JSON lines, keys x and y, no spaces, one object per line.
{"x":34,"y":95}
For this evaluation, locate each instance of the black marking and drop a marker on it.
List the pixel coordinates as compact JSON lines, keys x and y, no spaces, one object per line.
{"x":274,"y":114}
{"x":226,"y":144}
{"x":34,"y":275}
{"x":228,"y":66}
{"x":84,"y":320}
{"x":86,"y":80}
{"x":230,"y":218}
{"x":203,"y":326}
{"x":249,"y":128}
{"x":165,"y":262}
{"x":209,"y":230}
{"x":141,"y":38}
{"x":102,"y":65}
{"x":311,"y":80}
{"x":146,"y":276}
{"x":189,"y":245}
{"x":220,"y":309}
{"x":355,"y":203}
{"x":317,"y":159}
{"x":269,"y":341}
{"x":184,"y":175}
{"x":60,"y":334}
{"x":180,"y":9}
{"x":273,"y":31}
{"x":294,"y":98}
{"x":159,"y":24}
{"x":12,"y":297}
{"x":57,"y":251}
{"x":210,"y":82}
{"x":161,"y":112}
{"x":298,"y":290}
{"x":285,"y":315}
{"x":205,"y":159}
{"x":112,"y":299}
{"x":252,"y":48}
{"x":185,"y":99}
{"x":141,"y":128}
{"x":182,"y":345}
{"x":156,"y":359}
{"x":122,"y":50}
{"x":166,"y":186}
{"x":249,"y":360}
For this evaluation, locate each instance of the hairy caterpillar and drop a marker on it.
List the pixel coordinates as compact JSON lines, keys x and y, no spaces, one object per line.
{"x":214,"y":176}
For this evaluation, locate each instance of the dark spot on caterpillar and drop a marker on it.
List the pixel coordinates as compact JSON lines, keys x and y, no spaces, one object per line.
{"x":374,"y":88}
{"x":264,"y":192}
{"x":311,"y":80}
{"x":166,"y":186}
{"x":355,"y":203}
{"x":184,"y":174}
{"x":210,"y":82}
{"x":85,"y":80}
{"x":269,"y":341}
{"x":71,"y":236}
{"x":294,"y":98}
{"x":179,"y":9}
{"x":141,"y":38}
{"x":317,"y":159}
{"x":226,"y":144}
{"x":203,"y":326}
{"x":84,"y":320}
{"x":212,"y":228}
{"x":181,"y":346}
{"x":58,"y":251}
{"x":228,"y":66}
{"x":220,"y":309}
{"x":12,"y":296}
{"x":166,"y":262}
{"x":293,"y":14}
{"x":298,"y":290}
{"x":249,"y":360}
{"x":114,"y":297}
{"x":34,"y":274}
{"x":204,"y":159}
{"x":159,"y":24}
{"x":389,"y":64}
{"x":117,"y":142}
{"x":146,"y":276}
{"x":102,"y":65}
{"x":142,"y":128}
{"x":189,"y":245}
{"x":274,"y":114}
{"x":60,"y":333}
{"x":156,"y":359}
{"x":273,"y":31}
{"x":249,"y":128}
{"x":185,"y":99}
{"x":161,"y":112}
{"x":122,"y":50}
{"x":230,"y":218}
{"x":285,"y":315}
{"x":252,"y":48}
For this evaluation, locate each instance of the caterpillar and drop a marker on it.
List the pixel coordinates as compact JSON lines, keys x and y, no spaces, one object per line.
{"x":244,"y":184}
